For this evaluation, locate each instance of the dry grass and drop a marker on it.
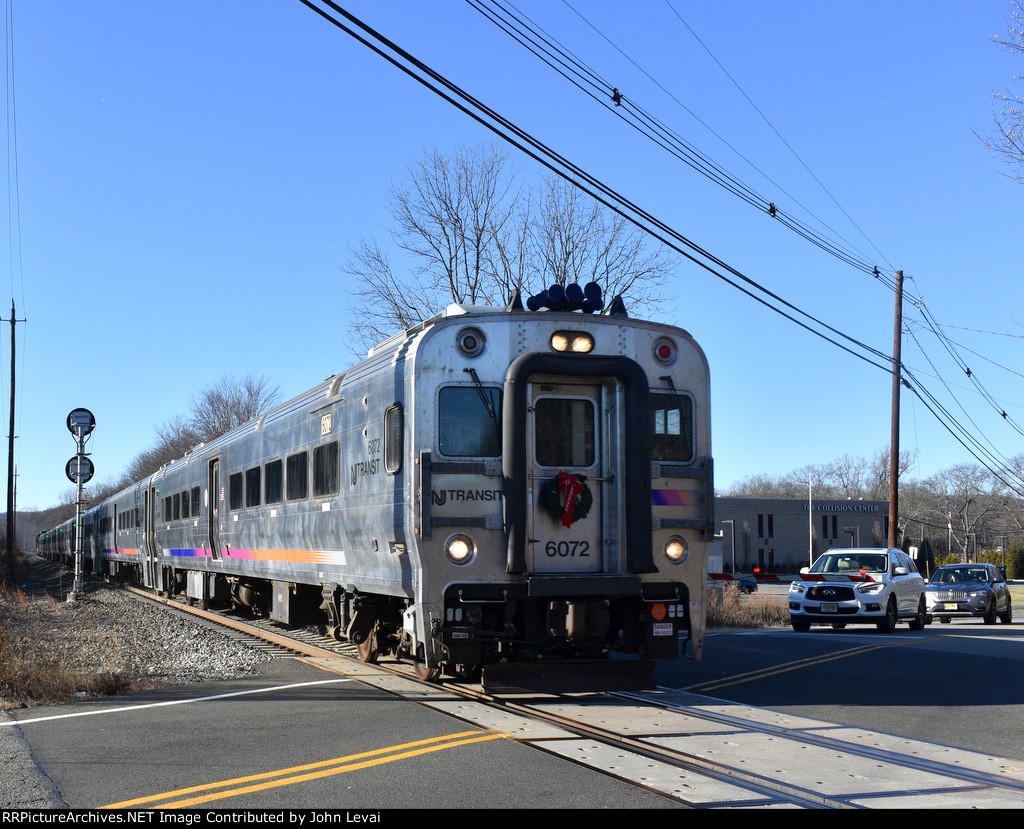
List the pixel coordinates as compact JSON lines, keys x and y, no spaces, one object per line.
{"x":728,"y":608}
{"x":29,"y":675}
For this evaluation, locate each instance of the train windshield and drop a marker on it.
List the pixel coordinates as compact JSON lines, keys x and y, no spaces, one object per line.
{"x":671,"y":427}
{"x":469,"y":422}
{"x":565,"y":431}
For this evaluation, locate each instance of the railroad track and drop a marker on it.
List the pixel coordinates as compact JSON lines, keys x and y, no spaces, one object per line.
{"x":695,"y":750}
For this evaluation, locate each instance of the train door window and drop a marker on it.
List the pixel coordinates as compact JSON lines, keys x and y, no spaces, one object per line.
{"x":273,"y":482}
{"x":298,"y":476}
{"x":186,"y":501}
{"x":235,"y":491}
{"x":176,"y":505}
{"x":393,"y":439}
{"x":252,"y":487}
{"x":565,"y":431}
{"x":469,"y":421}
{"x":167,"y":508}
{"x":671,"y":427}
{"x":326,"y":474}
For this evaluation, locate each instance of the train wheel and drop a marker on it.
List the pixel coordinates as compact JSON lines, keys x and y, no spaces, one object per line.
{"x":424,"y":671}
{"x":369,"y":649}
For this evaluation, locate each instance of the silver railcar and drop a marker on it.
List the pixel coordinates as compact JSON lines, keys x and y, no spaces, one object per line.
{"x":522,"y":494}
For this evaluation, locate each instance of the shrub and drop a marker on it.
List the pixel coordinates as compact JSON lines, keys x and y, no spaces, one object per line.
{"x":728,"y":608}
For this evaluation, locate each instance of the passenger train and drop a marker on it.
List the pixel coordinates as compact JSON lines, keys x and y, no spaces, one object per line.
{"x":519,"y":494}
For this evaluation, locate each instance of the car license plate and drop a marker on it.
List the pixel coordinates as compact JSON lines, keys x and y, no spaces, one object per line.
{"x":829,"y":607}
{"x":949,"y":606}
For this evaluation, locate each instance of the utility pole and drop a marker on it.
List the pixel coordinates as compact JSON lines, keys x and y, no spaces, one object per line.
{"x":894,"y":445}
{"x":10,"y":458}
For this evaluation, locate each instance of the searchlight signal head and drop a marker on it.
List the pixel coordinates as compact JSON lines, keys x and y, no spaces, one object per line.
{"x":587,"y":299}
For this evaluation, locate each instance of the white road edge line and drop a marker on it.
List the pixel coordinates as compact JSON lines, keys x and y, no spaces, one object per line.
{"x":14,"y":722}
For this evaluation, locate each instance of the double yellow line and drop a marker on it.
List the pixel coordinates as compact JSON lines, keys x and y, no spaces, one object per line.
{"x":799,"y":664}
{"x":193,"y":796}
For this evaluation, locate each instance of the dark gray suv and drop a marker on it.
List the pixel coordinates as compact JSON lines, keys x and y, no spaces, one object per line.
{"x":969,"y":590}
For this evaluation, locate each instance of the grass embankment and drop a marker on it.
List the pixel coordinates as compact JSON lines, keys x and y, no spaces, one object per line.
{"x":728,"y":608}
{"x":28,"y":674}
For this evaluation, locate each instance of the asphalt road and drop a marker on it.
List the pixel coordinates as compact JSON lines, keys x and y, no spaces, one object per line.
{"x":959,"y":684}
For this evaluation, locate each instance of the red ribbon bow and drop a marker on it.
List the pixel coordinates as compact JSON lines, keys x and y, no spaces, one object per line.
{"x":572,"y":486}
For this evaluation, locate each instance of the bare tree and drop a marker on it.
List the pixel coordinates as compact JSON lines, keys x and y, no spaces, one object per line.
{"x":578,"y":240}
{"x":217,"y":409}
{"x":964,"y":499}
{"x":1007,"y":139}
{"x":228,"y":403}
{"x":475,"y":231}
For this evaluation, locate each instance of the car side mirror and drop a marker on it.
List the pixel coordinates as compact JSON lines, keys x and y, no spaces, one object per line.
{"x":900,"y":570}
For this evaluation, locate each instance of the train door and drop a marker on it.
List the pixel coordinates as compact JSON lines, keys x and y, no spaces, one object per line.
{"x":566,"y":432}
{"x":149,"y":547}
{"x":215,"y":504}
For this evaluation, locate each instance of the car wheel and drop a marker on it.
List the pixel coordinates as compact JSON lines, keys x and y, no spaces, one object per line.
{"x":1007,"y":616}
{"x":990,"y":614}
{"x":888,"y":624}
{"x":921,"y":619}
{"x":801,"y":627}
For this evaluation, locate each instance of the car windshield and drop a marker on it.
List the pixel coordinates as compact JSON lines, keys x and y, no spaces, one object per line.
{"x":959,"y":575}
{"x":851,"y":562}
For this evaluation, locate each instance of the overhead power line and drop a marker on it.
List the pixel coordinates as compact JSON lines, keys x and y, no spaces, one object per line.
{"x":544,"y":155}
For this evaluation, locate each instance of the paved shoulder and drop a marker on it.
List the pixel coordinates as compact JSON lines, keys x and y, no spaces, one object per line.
{"x":23,"y":784}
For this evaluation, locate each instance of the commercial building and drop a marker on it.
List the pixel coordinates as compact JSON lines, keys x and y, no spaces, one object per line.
{"x":784,"y":534}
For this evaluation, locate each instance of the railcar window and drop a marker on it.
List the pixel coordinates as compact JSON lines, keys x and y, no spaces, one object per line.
{"x":564,"y":431}
{"x":235,"y":491}
{"x":671,"y":427}
{"x":393,"y":439}
{"x":252,"y":487}
{"x":195,"y":505}
{"x":298,"y":476}
{"x":469,"y":422}
{"x":273,"y":482}
{"x":326,"y":474}
{"x":185,"y":503}
{"x":167,"y":508}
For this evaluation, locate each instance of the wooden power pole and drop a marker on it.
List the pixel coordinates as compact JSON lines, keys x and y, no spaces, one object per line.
{"x":894,"y":445}
{"x":10,"y":462}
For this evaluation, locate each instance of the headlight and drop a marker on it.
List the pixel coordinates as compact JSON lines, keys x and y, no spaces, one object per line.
{"x":460,"y":548}
{"x":978,"y":594}
{"x":576,"y":342}
{"x":676,"y":550}
{"x":797,"y":587}
{"x":877,"y":587}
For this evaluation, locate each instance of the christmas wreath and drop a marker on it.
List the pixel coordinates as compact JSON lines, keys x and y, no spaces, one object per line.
{"x":567,"y":498}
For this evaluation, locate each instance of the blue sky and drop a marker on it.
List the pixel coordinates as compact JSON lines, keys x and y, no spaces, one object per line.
{"x":190,"y":175}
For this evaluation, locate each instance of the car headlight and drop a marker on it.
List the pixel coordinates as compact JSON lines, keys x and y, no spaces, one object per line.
{"x":797,"y":587}
{"x":978,"y":594}
{"x":875,"y":587}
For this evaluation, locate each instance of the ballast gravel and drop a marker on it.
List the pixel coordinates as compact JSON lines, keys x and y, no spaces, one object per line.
{"x":107,"y":633}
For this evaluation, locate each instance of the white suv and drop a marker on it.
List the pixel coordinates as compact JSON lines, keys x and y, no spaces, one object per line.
{"x":880,"y":586}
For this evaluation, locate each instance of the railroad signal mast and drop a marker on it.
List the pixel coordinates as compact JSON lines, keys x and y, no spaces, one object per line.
{"x":79,"y":471}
